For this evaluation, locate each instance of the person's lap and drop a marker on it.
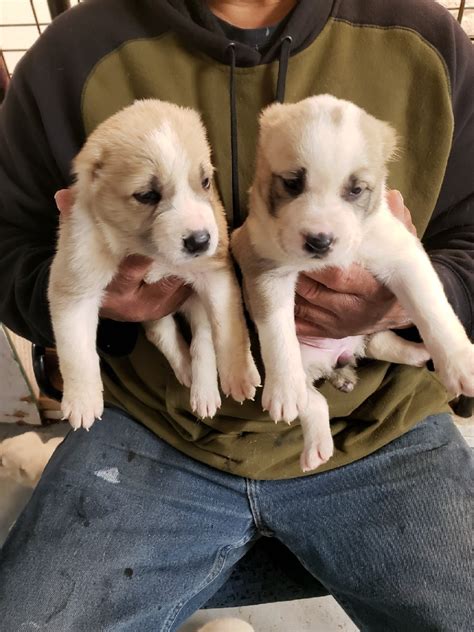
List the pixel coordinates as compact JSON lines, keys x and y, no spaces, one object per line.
{"x":125,"y":533}
{"x":390,"y":536}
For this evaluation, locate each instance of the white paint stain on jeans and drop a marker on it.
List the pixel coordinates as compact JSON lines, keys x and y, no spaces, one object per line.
{"x":111,"y":475}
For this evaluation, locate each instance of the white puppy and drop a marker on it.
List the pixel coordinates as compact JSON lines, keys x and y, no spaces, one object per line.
{"x":144,"y":186}
{"x":318,"y":200}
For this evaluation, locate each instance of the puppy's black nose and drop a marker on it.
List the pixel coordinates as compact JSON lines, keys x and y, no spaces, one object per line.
{"x":318,"y":244}
{"x":198,"y":241}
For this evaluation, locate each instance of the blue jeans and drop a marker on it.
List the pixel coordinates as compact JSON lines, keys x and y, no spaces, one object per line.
{"x":124,"y":533}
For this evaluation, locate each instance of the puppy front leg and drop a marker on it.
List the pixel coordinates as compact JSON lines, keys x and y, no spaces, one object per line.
{"x":75,"y":325}
{"x":318,"y":443}
{"x":78,"y":278}
{"x":397,"y":258}
{"x":205,"y":397}
{"x":221,"y":296}
{"x":272,"y":303}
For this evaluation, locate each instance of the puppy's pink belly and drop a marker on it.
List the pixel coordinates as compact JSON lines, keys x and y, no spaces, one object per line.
{"x":328,"y":351}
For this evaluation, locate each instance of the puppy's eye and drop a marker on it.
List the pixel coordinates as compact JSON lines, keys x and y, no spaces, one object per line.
{"x":355,"y":191}
{"x":152,"y":197}
{"x":206,"y":183}
{"x":293,"y":186}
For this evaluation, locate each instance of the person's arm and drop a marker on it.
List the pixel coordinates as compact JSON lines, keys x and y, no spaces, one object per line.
{"x":449,"y":241}
{"x":449,"y":237}
{"x":29,"y":176}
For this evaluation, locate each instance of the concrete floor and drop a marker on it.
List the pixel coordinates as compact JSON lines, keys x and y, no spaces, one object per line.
{"x":306,"y":615}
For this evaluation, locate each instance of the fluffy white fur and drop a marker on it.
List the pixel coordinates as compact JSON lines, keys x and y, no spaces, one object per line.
{"x":340,"y":153}
{"x":157,"y":150}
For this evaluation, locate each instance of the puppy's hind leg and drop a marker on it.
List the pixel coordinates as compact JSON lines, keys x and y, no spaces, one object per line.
{"x":318,"y":443}
{"x":344,"y":378}
{"x":205,"y":397}
{"x":165,"y":335}
{"x":389,"y":347}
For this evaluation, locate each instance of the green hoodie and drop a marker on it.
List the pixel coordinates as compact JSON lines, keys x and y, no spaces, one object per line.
{"x":405,"y":62}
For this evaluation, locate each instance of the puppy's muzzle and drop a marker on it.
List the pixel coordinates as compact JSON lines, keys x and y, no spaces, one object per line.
{"x":197,"y":242}
{"x":318,"y":245}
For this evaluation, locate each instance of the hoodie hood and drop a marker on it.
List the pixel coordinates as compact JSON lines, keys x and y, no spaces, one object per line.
{"x":193,"y":21}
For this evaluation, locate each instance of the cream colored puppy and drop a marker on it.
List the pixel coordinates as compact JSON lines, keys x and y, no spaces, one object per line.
{"x":144,"y":186}
{"x":318,"y":200}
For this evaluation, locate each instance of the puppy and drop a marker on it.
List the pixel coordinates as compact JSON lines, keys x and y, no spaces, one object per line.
{"x":318,"y":200}
{"x":144,"y":186}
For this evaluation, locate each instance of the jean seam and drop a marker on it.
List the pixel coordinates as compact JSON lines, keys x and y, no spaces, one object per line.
{"x":251,"y":486}
{"x":215,"y":571}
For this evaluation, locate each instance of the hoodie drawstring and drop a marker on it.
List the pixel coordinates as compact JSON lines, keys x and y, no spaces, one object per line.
{"x":234,"y":149}
{"x":285,"y":47}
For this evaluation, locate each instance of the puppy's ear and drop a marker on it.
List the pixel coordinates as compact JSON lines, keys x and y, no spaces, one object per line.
{"x":272,"y":116}
{"x":89,"y":162}
{"x":382,"y":137}
{"x":389,"y":140}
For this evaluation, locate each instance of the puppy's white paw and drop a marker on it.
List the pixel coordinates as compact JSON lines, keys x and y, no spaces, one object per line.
{"x":82,"y":404}
{"x":285,"y":396}
{"x":456,"y":370}
{"x":180,"y":361}
{"x":182,"y":371}
{"x":344,"y":379}
{"x":241,"y":378}
{"x":205,"y":399}
{"x":316,"y":452}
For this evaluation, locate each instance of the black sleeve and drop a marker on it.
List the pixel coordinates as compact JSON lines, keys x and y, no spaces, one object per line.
{"x":458,"y":183}
{"x":449,"y":241}
{"x":449,"y":238}
{"x":28,"y":216}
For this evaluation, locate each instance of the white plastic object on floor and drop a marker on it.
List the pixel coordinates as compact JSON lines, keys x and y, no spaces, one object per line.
{"x":227,"y":625}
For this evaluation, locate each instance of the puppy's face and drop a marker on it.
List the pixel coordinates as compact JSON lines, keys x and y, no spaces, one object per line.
{"x":146,"y":174}
{"x":320,"y":171}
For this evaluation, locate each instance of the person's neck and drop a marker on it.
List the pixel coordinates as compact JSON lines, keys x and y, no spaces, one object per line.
{"x":251,"y":14}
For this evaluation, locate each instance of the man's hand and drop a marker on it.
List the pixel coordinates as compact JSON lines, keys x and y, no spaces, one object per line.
{"x":128,"y":298}
{"x":336,"y":303}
